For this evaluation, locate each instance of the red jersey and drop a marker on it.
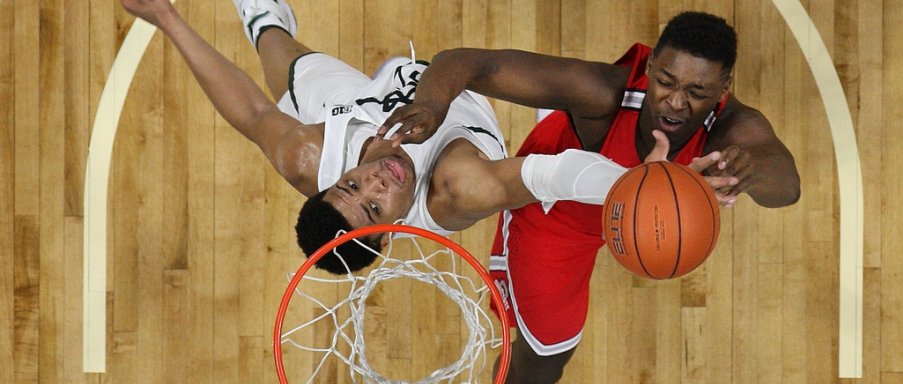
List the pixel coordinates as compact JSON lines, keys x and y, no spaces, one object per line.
{"x":556,"y":133}
{"x":543,"y":262}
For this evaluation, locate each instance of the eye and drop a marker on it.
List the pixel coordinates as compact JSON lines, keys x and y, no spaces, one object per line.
{"x":697,"y":96}
{"x":662,"y":82}
{"x":374,"y":207}
{"x":352,"y":184}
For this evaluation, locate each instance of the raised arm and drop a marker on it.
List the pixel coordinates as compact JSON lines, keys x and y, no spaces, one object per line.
{"x":764,"y":167}
{"x":526,"y":78}
{"x":235,"y":95}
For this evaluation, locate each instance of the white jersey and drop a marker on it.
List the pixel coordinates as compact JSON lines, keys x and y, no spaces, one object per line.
{"x":349,"y":125}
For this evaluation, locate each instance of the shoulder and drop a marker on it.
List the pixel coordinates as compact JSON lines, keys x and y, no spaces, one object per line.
{"x":740,"y":124}
{"x":600,"y":88}
{"x":460,"y":178}
{"x":458,"y":161}
{"x":296,"y":156}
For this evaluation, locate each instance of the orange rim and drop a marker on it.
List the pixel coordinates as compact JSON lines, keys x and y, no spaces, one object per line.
{"x":383,"y":228}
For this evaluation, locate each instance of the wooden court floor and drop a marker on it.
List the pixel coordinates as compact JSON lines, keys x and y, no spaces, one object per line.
{"x":199,"y":225}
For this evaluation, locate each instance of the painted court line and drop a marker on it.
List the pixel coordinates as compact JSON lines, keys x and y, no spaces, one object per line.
{"x":97,"y":175}
{"x":849,"y":178}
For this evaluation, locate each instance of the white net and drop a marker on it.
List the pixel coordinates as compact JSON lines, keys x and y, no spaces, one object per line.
{"x":345,"y":316}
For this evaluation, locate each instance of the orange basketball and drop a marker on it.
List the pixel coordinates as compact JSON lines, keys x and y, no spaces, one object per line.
{"x":661,"y":220}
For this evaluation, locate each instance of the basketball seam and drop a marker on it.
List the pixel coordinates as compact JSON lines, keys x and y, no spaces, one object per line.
{"x":636,"y":200}
{"x":679,"y":221}
{"x":713,"y":239}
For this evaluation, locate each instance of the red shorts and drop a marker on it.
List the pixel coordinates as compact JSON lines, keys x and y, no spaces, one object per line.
{"x":544,"y":272}
{"x":542,"y":263}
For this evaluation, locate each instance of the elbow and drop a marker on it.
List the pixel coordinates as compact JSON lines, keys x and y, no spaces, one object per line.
{"x":456,"y":53}
{"x":254,"y":116}
{"x":447,"y":55}
{"x":779,"y":197}
{"x":794,"y":195}
{"x":473,"y":62}
{"x":789,"y":197}
{"x":783,"y":190}
{"x":792,"y":192}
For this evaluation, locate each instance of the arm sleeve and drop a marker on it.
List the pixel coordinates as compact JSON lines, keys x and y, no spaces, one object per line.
{"x":571,"y":175}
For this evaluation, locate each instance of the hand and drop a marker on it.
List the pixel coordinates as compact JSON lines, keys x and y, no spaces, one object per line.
{"x":737,"y":163}
{"x":720,"y":183}
{"x":151,"y":11}
{"x":419,"y":121}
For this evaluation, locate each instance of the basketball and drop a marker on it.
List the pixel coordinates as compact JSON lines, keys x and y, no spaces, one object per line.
{"x":661,"y":220}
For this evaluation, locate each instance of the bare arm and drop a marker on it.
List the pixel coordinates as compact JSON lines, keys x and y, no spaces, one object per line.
{"x":472,"y":187}
{"x":462,"y":176}
{"x":582,"y":87}
{"x":233,"y":93}
{"x":764,"y":167}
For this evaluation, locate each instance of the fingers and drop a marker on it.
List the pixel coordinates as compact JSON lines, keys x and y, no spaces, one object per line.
{"x":728,"y":155}
{"x":399,"y":115}
{"x":739,"y":164}
{"x":720,"y":164}
{"x":725,"y":201}
{"x":411,"y":131}
{"x":700,"y":164}
{"x":722,"y":183}
{"x":745,"y":182}
{"x":412,"y":123}
{"x":660,"y":151}
{"x":406,"y":133}
{"x":734,"y":161}
{"x":408,"y":116}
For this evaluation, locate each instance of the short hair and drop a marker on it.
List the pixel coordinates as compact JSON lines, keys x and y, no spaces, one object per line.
{"x":702,"y":35}
{"x":318,"y":223}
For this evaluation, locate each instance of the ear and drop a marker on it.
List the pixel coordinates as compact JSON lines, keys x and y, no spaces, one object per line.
{"x":727,"y":85}
{"x":649,"y":61}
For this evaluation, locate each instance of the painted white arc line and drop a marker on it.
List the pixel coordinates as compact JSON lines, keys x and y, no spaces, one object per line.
{"x":97,"y":174}
{"x":849,"y":177}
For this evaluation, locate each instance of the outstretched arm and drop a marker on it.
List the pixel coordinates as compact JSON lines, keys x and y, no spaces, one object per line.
{"x":233,"y":93}
{"x":572,"y":175}
{"x":753,"y":154}
{"x":521,"y":77}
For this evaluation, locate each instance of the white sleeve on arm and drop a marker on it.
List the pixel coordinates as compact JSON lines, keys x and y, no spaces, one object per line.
{"x":571,"y":175}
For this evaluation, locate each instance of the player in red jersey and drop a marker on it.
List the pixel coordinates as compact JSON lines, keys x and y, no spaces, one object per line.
{"x":543,"y":256}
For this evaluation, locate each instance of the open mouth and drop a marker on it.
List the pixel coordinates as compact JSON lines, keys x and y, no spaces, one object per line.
{"x":669,"y":124}
{"x":396,"y":168}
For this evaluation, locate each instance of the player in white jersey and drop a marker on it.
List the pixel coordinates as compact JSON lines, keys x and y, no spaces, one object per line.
{"x":447,"y":181}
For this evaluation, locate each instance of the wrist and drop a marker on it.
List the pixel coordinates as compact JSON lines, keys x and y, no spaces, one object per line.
{"x":167,"y":19}
{"x":437,"y":109}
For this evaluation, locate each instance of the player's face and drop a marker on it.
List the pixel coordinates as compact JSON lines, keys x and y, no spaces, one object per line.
{"x":682,"y":90}
{"x":379,"y":191}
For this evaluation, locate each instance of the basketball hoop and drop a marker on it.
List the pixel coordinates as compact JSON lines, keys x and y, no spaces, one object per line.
{"x":345,"y":317}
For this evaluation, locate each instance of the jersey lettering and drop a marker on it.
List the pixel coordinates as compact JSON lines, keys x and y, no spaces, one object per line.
{"x":341,"y":109}
{"x":403,"y":95}
{"x":502,"y":286}
{"x":617,"y":241}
